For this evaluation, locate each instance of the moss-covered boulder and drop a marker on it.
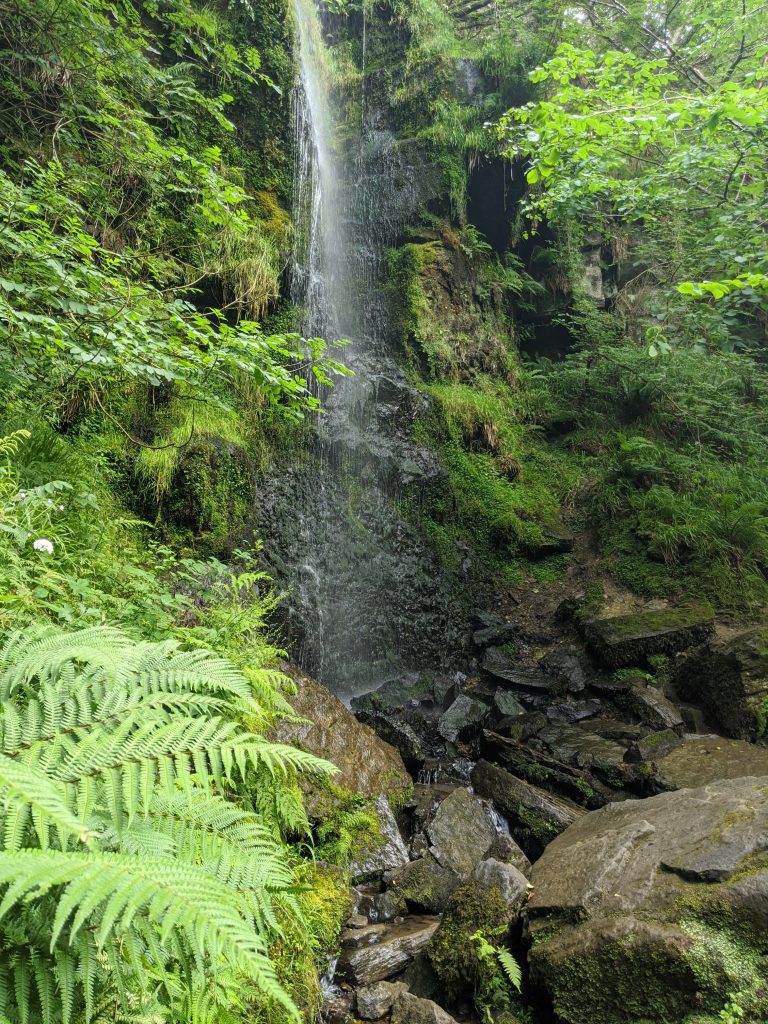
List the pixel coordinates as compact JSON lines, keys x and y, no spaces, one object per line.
{"x":631,"y":639}
{"x":655,"y":910}
{"x":728,"y":678}
{"x":324,"y":726}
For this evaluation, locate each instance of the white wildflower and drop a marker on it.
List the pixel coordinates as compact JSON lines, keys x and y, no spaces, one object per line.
{"x":22,"y":495}
{"x":41,"y":544}
{"x":61,"y":508}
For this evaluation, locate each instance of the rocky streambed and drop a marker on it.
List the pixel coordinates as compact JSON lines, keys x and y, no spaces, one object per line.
{"x":589,"y":803}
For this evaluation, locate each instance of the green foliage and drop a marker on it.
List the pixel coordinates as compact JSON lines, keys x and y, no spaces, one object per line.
{"x":120,"y":852}
{"x":499,"y":975}
{"x":659,"y":136}
{"x":678,"y":488}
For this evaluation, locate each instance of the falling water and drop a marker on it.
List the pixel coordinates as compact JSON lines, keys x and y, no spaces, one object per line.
{"x":360,"y":577}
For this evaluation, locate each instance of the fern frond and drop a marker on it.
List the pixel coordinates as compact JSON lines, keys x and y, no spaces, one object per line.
{"x":511,"y":967}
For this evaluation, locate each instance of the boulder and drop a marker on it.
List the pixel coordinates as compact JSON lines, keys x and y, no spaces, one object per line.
{"x":653,"y":708}
{"x":424,"y":884}
{"x":398,"y":734}
{"x":366,"y":763}
{"x":535,"y":816}
{"x":409,"y":1009}
{"x":573,"y":711}
{"x":728,"y":678}
{"x":630,"y":639}
{"x":567,"y":665}
{"x":374,"y":1001}
{"x":500,"y":665}
{"x":507,"y":704}
{"x":653,"y":746}
{"x":649,"y":910}
{"x":496,"y":635}
{"x":462,"y":718}
{"x":396,"y":693}
{"x":505,"y":849}
{"x":461,"y":832}
{"x":494,"y":876}
{"x":421,"y":979}
{"x":384,"y":950}
{"x":389,"y":852}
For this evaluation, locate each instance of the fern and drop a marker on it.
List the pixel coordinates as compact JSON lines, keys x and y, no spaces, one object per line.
{"x":127,"y":879}
{"x":511,"y":968}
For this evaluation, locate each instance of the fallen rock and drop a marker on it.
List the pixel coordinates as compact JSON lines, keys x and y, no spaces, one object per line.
{"x":461,"y":832}
{"x":421,"y":979}
{"x":374,"y":1001}
{"x":366,"y":763}
{"x":409,"y":1009}
{"x":507,"y":704}
{"x":500,"y":665}
{"x":573,"y":711}
{"x":495,"y":635}
{"x":389,"y":949}
{"x":424,"y":884}
{"x":462,"y":718}
{"x":652,"y":707}
{"x":729,"y":680}
{"x":535,"y":816}
{"x":642,"y":911}
{"x":630,"y":639}
{"x":567,"y":665}
{"x":391,"y":851}
{"x":653,"y":747}
{"x":398,"y":734}
{"x":493,"y":876}
{"x":504,"y":848}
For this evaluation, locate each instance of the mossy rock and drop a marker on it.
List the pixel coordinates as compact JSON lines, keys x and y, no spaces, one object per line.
{"x":631,"y":639}
{"x":655,"y":910}
{"x":729,"y":680}
{"x":212,"y":491}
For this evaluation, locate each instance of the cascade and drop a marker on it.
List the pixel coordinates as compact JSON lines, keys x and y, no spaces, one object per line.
{"x":361,"y":579}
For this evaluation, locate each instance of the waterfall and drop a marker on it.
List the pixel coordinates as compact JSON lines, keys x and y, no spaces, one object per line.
{"x":360,"y":577}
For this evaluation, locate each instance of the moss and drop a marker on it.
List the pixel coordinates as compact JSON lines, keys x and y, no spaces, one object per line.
{"x":452,"y":954}
{"x":301,"y":955}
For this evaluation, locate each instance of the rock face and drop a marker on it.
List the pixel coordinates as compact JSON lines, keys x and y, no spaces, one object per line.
{"x":630,"y":639}
{"x":649,"y":910}
{"x":366,"y":763}
{"x":729,"y":679}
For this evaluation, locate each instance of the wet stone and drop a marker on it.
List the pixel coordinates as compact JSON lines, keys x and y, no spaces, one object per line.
{"x":409,"y":1009}
{"x":652,"y":707}
{"x":462,"y":718}
{"x":496,"y":635}
{"x":653,"y":747}
{"x":499,"y":664}
{"x":568,"y":665}
{"x":389,"y":950}
{"x":507,"y":704}
{"x":374,"y":1001}
{"x":461,"y":832}
{"x":574,"y":711}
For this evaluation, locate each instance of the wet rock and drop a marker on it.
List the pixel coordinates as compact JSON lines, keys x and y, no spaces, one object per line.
{"x":631,"y":639}
{"x":462,"y":718}
{"x":652,"y":707}
{"x":424,"y":884}
{"x":703,"y":759}
{"x":366,"y":763}
{"x":421,"y":979}
{"x":398,"y":734}
{"x":523,"y":727}
{"x":567,"y":665}
{"x":610,"y":914}
{"x":505,"y":849}
{"x":445,"y":689}
{"x":507,"y":704}
{"x":390,"y":949}
{"x":461,"y":832}
{"x":582,"y":749}
{"x":357,"y":921}
{"x":496,"y":635}
{"x":396,"y":693}
{"x":374,"y":1001}
{"x":409,"y":1009}
{"x":573,"y":711}
{"x":534,"y":814}
{"x":512,"y":886}
{"x":391,"y":851}
{"x":729,"y":679}
{"x":610,"y":685}
{"x":654,"y":746}
{"x":500,"y":665}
